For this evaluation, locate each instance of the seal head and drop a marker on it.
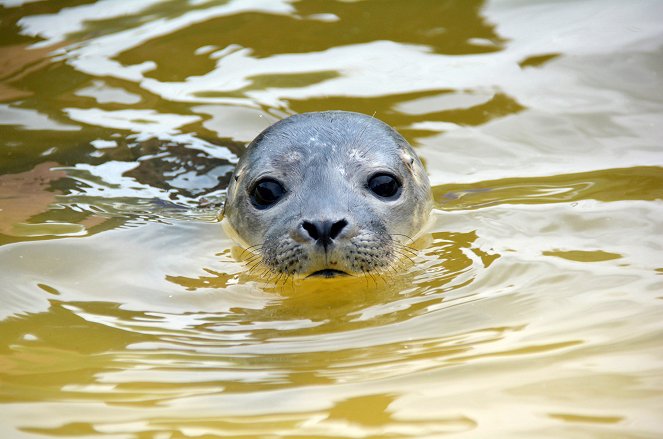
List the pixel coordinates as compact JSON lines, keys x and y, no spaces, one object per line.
{"x":328,"y":193}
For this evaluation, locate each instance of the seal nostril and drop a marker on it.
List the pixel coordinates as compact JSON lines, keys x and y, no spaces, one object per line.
{"x":311,"y":229}
{"x":324,"y":232}
{"x":336,"y":228}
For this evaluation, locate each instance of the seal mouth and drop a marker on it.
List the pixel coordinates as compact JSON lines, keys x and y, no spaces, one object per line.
{"x":328,"y":273}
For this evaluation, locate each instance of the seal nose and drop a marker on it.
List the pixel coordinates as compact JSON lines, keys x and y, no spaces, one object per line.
{"x":323,"y":232}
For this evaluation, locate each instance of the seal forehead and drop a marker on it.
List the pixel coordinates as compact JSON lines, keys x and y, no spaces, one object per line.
{"x":320,"y":137}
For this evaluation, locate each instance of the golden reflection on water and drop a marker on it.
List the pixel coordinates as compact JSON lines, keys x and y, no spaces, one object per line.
{"x":532,"y":307}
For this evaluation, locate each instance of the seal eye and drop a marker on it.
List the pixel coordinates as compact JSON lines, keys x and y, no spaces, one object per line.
{"x":266,"y":192}
{"x":385,"y":186}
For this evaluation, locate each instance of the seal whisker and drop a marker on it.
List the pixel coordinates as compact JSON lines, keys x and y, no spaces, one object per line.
{"x":379,"y":273}
{"x":401,"y":262}
{"x":407,"y":246}
{"x":406,"y":258}
{"x":285,"y":280}
{"x":407,"y":249}
{"x":254,"y":262}
{"x":403,"y":254}
{"x":390,"y":266}
{"x":267,"y":272}
{"x":406,"y":253}
{"x":255,"y":255}
{"x":402,"y":234}
{"x":391,"y":270}
{"x":365,"y":273}
{"x":251,"y":249}
{"x":383,"y":277}
{"x":275,"y":279}
{"x":372,"y":277}
{"x":271,"y":275}
{"x":254,"y":259}
{"x":255,"y":266}
{"x":397,"y":265}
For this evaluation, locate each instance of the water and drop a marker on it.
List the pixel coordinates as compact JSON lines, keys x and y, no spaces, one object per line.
{"x":533,"y":308}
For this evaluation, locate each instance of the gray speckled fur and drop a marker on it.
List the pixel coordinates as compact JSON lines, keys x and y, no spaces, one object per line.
{"x":324,"y":160}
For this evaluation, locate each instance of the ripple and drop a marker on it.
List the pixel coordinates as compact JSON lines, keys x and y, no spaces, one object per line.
{"x":534,"y":294}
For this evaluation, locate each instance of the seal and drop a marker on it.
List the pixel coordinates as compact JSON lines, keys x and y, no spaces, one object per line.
{"x":327,"y":194}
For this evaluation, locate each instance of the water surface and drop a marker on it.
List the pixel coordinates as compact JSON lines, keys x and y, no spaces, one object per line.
{"x":532,"y":309}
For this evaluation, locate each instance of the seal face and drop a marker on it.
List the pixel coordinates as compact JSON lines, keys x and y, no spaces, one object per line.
{"x":326,"y":194}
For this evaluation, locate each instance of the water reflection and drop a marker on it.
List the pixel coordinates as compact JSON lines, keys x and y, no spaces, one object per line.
{"x":637,"y":183}
{"x":532,"y":308}
{"x":122,"y":178}
{"x":443,"y":26}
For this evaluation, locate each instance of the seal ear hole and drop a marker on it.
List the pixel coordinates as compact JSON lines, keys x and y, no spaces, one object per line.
{"x":385,"y":186}
{"x":266,"y":192}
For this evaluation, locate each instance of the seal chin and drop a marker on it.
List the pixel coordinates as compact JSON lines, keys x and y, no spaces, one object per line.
{"x":328,"y":273}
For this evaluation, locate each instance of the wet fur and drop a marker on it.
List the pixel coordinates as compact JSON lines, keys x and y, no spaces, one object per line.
{"x":324,"y":160}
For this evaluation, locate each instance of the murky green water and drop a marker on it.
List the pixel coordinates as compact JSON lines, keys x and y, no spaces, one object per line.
{"x":533,"y":308}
